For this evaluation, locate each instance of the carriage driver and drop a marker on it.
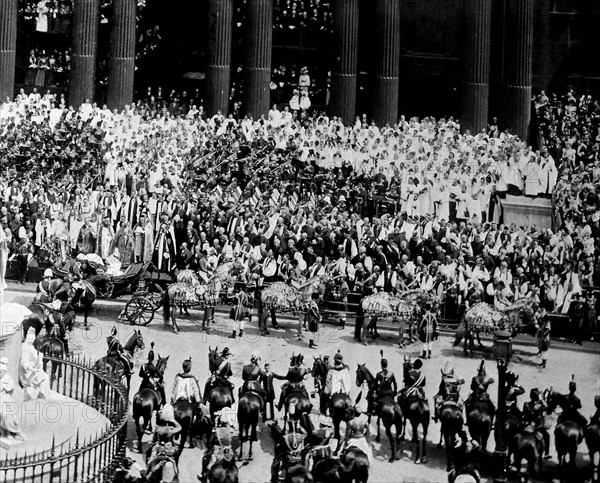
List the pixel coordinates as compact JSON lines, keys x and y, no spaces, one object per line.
{"x":186,"y":385}
{"x":294,"y":377}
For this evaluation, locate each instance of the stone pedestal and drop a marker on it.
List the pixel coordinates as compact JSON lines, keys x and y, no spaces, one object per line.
{"x":121,"y":61}
{"x":522,"y":210}
{"x":518,"y":58}
{"x":85,"y":45}
{"x":345,"y":49}
{"x":476,"y":76}
{"x":387,"y":70}
{"x":257,"y":65}
{"x":8,"y":48}
{"x":218,"y":72}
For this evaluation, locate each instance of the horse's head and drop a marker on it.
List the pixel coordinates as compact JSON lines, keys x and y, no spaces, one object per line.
{"x":214,"y":359}
{"x":161,"y":365}
{"x":319,"y":369}
{"x":361,"y":374}
{"x":136,"y":341}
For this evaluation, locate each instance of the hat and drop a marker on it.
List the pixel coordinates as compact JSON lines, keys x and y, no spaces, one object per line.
{"x":48,"y":273}
{"x":418,"y":364}
{"x":255,"y":357}
{"x":338,"y":358}
{"x":226,"y":352}
{"x":187,"y":364}
{"x":448,"y":369}
{"x":167,"y":415}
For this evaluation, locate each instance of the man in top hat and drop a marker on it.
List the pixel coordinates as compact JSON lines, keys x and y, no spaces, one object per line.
{"x":449,"y":389}
{"x":32,"y":377}
{"x":185,"y":385}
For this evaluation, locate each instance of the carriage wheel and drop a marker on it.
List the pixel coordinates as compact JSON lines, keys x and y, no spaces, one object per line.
{"x":139,"y":311}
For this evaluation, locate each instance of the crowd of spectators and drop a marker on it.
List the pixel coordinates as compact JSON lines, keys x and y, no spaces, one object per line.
{"x":303,"y":15}
{"x":414,"y":205}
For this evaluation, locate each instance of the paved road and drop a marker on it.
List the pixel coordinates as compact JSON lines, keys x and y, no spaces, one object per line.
{"x":564,"y":361}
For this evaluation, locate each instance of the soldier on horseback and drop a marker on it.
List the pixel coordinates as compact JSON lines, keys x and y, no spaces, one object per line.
{"x":534,"y":415}
{"x":253,"y":375}
{"x":338,"y":377}
{"x":386,"y":384}
{"x":449,"y":389}
{"x":219,"y":446}
{"x":163,"y":445}
{"x":294,"y":377}
{"x":150,"y":376}
{"x":357,"y":433}
{"x":414,"y":383}
{"x":571,"y":410}
{"x":289,"y":447}
{"x":115,"y":350}
{"x":513,"y":391}
{"x":186,"y":385}
{"x":479,"y":386}
{"x":220,"y":375}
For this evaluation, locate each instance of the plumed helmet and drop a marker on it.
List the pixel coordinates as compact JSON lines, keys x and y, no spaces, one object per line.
{"x":534,"y":393}
{"x":511,"y":377}
{"x":255,"y":357}
{"x":48,"y":273}
{"x":572,"y":386}
{"x":338,"y":358}
{"x":418,"y":364}
{"x":113,"y":331}
{"x":226,"y":352}
{"x":151,"y":352}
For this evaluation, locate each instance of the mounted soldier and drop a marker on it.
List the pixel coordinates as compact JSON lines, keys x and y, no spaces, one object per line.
{"x":150,"y":376}
{"x":253,"y":376}
{"x":163,"y":445}
{"x":289,"y":447}
{"x":338,"y":377}
{"x":386,"y":383}
{"x":219,"y":446}
{"x":295,"y":379}
{"x":534,"y":413}
{"x":513,"y":391}
{"x":479,"y":386}
{"x":571,"y":411}
{"x":115,"y":350}
{"x":414,"y":383}
{"x":186,"y":385}
{"x":221,"y":374}
{"x":449,"y":389}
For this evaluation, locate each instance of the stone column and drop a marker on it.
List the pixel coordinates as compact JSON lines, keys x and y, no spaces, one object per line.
{"x":518,"y":57}
{"x":8,"y":47}
{"x":476,"y":77}
{"x":345,"y":48}
{"x":85,"y":45}
{"x":121,"y":60}
{"x":218,"y":73}
{"x":257,"y":65}
{"x":387,"y":70}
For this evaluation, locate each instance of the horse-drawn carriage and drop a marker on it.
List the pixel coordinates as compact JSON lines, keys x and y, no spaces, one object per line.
{"x":140,"y":280}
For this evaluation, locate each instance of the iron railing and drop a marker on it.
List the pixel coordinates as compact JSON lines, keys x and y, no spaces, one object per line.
{"x":86,"y":459}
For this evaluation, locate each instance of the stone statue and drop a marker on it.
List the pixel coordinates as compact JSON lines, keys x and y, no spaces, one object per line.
{"x":10,"y":427}
{"x":33,"y":379}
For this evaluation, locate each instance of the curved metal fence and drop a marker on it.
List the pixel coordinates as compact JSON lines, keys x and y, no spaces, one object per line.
{"x":84,"y":459}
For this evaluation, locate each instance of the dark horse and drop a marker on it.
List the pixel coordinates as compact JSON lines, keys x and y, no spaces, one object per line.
{"x":51,"y":342}
{"x":527,"y":445}
{"x":146,"y":401}
{"x":220,"y":395}
{"x":384,"y":407}
{"x":592,"y":439}
{"x":193,"y":423}
{"x":353,"y":465}
{"x":451,"y":418}
{"x":480,"y":420}
{"x":568,"y":434}
{"x":250,"y":406}
{"x":86,"y":291}
{"x":416,"y":410}
{"x":338,"y":403}
{"x":223,"y":471}
{"x":114,"y":368}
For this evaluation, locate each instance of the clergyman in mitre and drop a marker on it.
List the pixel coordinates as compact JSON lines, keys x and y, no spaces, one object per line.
{"x":35,"y":382}
{"x":10,"y":426}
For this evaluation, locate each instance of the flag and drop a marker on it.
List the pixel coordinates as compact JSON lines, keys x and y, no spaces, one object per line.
{"x":218,"y":191}
{"x":256,"y":197}
{"x":236,"y":194}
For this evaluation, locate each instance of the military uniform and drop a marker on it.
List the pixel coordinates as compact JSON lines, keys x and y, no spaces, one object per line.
{"x":295,"y":379}
{"x":252,"y":376}
{"x":534,"y":414}
{"x":449,"y":390}
{"x":219,"y":448}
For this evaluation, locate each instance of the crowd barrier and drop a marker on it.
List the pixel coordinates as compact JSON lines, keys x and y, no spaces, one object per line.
{"x":91,"y":459}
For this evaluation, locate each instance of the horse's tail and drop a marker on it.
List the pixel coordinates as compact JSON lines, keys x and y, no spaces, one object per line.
{"x":166,"y":306}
